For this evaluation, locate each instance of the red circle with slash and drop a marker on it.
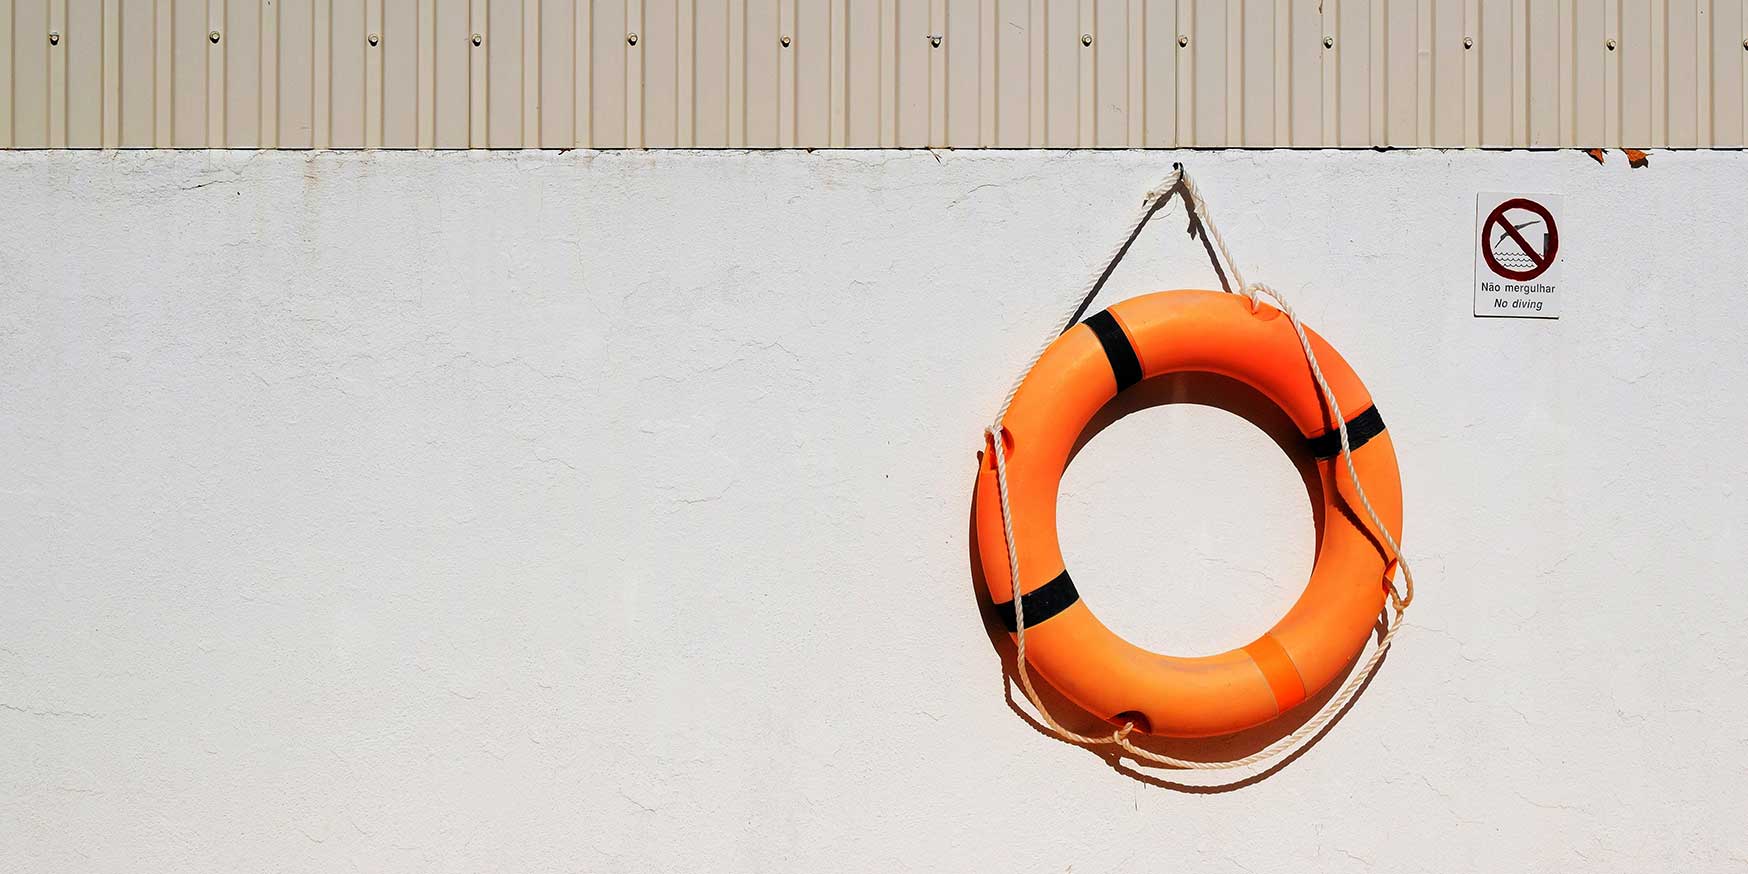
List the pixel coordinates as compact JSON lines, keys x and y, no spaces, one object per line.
{"x":1540,"y":261}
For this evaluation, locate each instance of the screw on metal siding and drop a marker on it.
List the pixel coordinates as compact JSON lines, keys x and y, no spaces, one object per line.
{"x":1183,"y":42}
{"x":935,"y":40}
{"x":54,"y":37}
{"x":786,"y":40}
{"x":631,"y":39}
{"x":213,"y":37}
{"x":374,"y":39}
{"x":1086,"y":39}
{"x":477,"y":39}
{"x":1610,"y":44}
{"x":1329,"y":42}
{"x":1468,"y":42}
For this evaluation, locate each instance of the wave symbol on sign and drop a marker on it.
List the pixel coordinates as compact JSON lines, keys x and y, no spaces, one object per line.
{"x":1510,"y":255}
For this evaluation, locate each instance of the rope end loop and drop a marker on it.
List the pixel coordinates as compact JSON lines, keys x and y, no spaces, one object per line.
{"x":997,"y":438}
{"x":1254,"y":291}
{"x":1401,"y":598}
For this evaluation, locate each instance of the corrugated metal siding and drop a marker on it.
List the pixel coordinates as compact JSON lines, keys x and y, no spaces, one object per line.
{"x":871,"y":73}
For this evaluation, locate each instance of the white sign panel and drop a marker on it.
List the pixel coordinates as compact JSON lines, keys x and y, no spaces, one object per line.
{"x":1517,"y":255}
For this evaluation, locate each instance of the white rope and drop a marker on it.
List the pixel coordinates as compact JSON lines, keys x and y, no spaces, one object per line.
{"x":1154,"y":200}
{"x":1399,"y":600}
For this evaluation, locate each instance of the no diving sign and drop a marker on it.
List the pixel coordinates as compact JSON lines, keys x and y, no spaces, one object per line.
{"x":1517,"y":255}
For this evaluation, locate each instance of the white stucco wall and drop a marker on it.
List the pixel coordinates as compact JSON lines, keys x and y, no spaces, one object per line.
{"x":609,"y":512}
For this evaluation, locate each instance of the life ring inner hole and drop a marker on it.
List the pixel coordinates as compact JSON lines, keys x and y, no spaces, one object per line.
{"x":1184,"y":545}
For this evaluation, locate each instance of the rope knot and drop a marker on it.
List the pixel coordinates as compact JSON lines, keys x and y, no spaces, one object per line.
{"x":1254,"y":292}
{"x":1165,"y":187}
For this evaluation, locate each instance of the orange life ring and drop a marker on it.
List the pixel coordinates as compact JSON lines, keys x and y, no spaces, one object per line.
{"x":1169,"y":332}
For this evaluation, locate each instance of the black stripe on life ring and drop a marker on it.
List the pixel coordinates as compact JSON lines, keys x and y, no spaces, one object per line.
{"x":1124,"y":365}
{"x":1041,"y":603}
{"x":1360,"y":428}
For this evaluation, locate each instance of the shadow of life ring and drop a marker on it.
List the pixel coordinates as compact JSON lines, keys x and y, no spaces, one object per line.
{"x":1326,"y":629}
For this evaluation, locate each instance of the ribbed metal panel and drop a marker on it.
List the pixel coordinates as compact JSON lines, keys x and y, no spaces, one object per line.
{"x":871,"y":73}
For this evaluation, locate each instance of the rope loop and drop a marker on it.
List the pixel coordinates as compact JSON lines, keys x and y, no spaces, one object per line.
{"x":1179,"y":181}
